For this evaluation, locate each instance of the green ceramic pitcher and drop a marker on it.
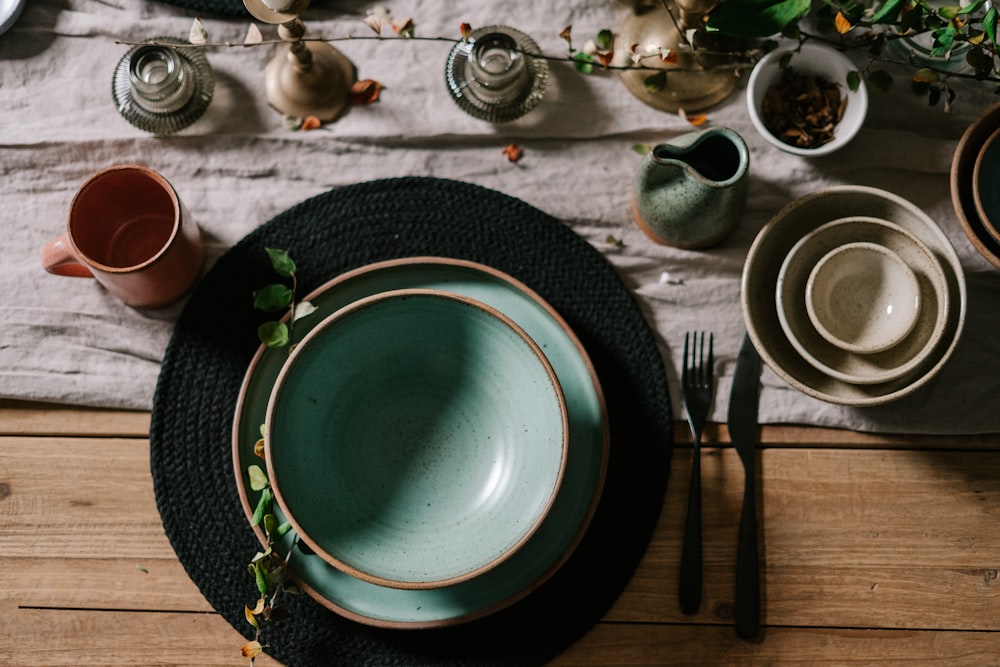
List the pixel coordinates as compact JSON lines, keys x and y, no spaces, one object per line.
{"x":691,"y":191}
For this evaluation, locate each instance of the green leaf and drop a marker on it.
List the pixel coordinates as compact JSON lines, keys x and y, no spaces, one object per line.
{"x":949,"y":12}
{"x":258,"y":478}
{"x":282,"y":529}
{"x":281,"y":262}
{"x":944,"y":39}
{"x":273,"y":334}
{"x":272,"y":297}
{"x":756,"y":18}
{"x":605,"y":39}
{"x":583,"y":62}
{"x":263,"y":505}
{"x":854,"y":80}
{"x":261,"y":578}
{"x":654,"y":83}
{"x":990,"y":25}
{"x":888,"y":12}
{"x":270,"y":523}
{"x":880,"y":80}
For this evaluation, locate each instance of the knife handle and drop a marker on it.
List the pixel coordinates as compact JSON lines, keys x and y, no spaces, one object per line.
{"x":748,"y":567}
{"x":690,"y":584}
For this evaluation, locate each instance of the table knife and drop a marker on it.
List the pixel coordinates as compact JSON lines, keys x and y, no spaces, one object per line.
{"x":743,"y":404}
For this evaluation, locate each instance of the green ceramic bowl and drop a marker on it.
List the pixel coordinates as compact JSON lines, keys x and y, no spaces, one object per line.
{"x":416,"y":439}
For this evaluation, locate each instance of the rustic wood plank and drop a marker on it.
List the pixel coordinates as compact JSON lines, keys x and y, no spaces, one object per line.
{"x":684,"y":645}
{"x":901,"y":541}
{"x":56,"y":638}
{"x":67,"y":497}
{"x":792,"y":435}
{"x":24,"y":418}
{"x":102,"y":584}
{"x":876,"y":538}
{"x":878,"y":535}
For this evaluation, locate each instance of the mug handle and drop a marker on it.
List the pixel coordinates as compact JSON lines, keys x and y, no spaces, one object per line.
{"x":58,"y":258}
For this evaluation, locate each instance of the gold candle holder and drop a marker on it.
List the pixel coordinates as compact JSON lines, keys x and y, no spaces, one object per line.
{"x":695,"y":80}
{"x":304,"y":78}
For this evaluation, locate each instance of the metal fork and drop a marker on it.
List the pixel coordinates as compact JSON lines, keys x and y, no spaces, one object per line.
{"x":696,"y":383}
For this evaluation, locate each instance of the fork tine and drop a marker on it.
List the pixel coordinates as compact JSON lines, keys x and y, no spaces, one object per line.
{"x":684,"y":365}
{"x":711,"y":361}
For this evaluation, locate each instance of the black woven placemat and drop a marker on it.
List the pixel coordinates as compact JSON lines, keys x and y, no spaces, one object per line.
{"x":215,"y":339}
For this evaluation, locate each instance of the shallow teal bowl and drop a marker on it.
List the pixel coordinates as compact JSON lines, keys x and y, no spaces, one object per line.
{"x":416,"y":438}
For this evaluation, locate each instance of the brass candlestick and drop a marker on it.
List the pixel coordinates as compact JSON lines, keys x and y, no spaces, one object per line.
{"x":304,"y":78}
{"x":695,"y":81}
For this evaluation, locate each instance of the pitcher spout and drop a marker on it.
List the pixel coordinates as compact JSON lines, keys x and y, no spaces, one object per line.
{"x":690,"y":191}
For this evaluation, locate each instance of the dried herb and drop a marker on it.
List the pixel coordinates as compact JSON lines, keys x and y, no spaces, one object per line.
{"x":803,"y":109}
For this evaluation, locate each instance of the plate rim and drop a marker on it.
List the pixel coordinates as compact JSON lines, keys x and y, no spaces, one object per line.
{"x":516,"y":286}
{"x":297,"y":357}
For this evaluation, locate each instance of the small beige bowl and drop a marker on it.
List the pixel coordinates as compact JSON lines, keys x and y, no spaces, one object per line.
{"x":862,"y":297}
{"x":836,"y":362}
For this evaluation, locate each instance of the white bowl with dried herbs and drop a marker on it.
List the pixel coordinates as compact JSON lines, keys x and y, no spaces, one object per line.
{"x":808,"y":99}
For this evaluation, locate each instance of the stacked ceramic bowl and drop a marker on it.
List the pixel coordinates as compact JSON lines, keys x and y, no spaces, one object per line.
{"x":436,"y":442}
{"x":854,"y":296}
{"x":975,"y":172}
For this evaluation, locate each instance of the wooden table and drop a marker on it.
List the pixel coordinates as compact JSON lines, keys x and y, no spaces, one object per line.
{"x":876,"y":549}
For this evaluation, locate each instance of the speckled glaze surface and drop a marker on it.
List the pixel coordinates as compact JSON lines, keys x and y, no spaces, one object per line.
{"x":895,"y":362}
{"x":863,"y":297}
{"x":555,"y":540}
{"x":760,"y":275}
{"x":691,"y":191}
{"x":416,"y":438}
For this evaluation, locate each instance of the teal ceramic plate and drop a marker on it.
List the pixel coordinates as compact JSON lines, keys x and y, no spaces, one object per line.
{"x":416,"y":438}
{"x":557,"y":536}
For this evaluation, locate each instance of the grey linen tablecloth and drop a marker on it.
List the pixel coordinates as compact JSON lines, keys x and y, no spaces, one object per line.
{"x":66,"y":340}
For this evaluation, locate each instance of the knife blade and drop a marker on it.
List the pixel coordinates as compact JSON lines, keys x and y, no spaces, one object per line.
{"x":744,"y":400}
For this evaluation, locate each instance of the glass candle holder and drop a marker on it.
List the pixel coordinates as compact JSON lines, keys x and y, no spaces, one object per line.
{"x":163,"y":87}
{"x":493,"y":76}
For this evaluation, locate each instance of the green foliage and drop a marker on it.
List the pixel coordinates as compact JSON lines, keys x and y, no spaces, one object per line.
{"x":281,"y":262}
{"x":274,"y":334}
{"x":756,"y":18}
{"x":654,"y":83}
{"x":279,"y":296}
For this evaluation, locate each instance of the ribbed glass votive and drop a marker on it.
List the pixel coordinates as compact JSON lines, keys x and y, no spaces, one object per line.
{"x":163,"y":87}
{"x":493,"y":76}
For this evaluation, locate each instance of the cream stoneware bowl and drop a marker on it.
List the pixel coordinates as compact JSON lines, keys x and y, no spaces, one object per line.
{"x":761,"y":305}
{"x":810,"y":59}
{"x":895,"y":362}
{"x":416,"y":439}
{"x":862,"y":297}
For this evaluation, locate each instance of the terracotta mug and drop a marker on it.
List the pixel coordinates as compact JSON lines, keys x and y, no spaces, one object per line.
{"x":128,"y":229}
